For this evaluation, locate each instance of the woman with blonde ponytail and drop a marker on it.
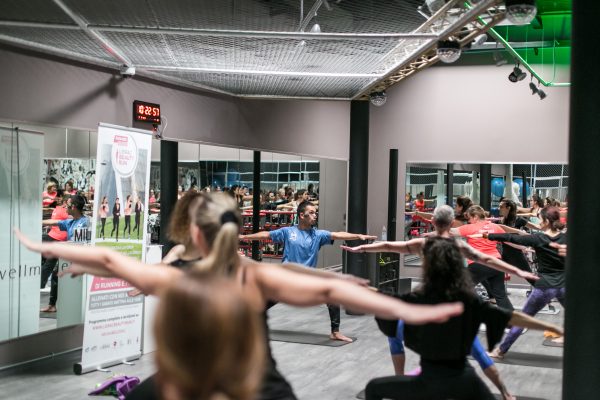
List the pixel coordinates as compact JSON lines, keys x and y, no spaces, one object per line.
{"x":214,"y":229}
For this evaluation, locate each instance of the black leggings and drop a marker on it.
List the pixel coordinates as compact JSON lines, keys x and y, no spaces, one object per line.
{"x":127,"y":224}
{"x":438,"y":383}
{"x":494,"y":285}
{"x":115,"y":226}
{"x":103,"y":220}
{"x":334,"y":317}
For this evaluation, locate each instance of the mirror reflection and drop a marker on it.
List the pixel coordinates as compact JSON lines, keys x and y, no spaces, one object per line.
{"x":532,"y":186}
{"x":41,"y":195}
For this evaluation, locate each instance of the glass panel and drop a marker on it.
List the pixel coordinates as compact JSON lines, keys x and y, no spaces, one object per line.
{"x":20,"y":167}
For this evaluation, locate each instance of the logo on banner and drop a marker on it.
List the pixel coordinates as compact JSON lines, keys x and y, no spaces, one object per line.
{"x":124,"y":155}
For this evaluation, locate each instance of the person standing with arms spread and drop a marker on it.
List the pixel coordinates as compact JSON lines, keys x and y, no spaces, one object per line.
{"x":302,"y":243}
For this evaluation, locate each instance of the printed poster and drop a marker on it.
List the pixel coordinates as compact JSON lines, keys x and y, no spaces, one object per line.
{"x":113,"y":319}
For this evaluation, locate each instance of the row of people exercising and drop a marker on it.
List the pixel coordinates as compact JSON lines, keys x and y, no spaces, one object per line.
{"x":213,"y":230}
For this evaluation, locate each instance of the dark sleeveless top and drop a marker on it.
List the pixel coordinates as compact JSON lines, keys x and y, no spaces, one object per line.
{"x":274,"y":385}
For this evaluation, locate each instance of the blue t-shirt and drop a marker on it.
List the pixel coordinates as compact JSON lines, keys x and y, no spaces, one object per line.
{"x":70,"y":225}
{"x":301,"y":246}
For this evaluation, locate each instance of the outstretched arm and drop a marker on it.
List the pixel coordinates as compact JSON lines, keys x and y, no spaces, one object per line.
{"x":351,"y":236}
{"x":526,"y":321}
{"x":320,"y":273}
{"x":104,"y":262}
{"x":263,"y":235}
{"x":413,"y":246}
{"x":303,"y":290}
{"x":493,"y":262}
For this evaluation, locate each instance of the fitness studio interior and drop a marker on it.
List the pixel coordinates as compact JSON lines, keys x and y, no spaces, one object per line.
{"x":280,"y":161}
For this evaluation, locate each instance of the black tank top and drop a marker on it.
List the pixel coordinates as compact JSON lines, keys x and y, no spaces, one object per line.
{"x":274,"y":385}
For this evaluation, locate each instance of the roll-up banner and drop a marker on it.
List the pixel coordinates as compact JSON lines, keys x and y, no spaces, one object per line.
{"x":113,"y":319}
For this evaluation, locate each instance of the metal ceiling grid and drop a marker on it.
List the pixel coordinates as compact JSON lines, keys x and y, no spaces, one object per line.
{"x":349,"y":16}
{"x":67,"y":40}
{"x":243,"y":47}
{"x":159,"y":51}
{"x":42,"y":11}
{"x":275,"y":86}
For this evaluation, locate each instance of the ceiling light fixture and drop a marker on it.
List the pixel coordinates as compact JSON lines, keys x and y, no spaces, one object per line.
{"x":448,"y":51}
{"x":480,"y":39}
{"x":533,"y":88}
{"x":517,"y":74}
{"x":542,"y":94}
{"x":378,"y":98}
{"x":520,"y":12}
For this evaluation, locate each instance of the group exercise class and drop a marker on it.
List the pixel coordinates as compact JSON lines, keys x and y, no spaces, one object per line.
{"x":299,"y":200}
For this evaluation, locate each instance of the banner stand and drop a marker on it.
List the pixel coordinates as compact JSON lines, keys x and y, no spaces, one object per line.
{"x":114,"y":314}
{"x":79,"y":369}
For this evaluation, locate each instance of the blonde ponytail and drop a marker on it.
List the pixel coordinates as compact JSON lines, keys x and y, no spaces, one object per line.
{"x":223,"y":258}
{"x":218,"y":217}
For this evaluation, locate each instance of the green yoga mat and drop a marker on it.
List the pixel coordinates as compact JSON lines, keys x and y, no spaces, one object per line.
{"x":305,"y":338}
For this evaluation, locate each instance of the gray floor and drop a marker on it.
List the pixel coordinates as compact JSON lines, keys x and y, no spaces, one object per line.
{"x":316,"y":372}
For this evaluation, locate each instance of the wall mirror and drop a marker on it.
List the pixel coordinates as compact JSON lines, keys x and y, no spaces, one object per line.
{"x":426,"y":187}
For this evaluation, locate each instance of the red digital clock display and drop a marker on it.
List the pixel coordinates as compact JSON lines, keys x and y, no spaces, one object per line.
{"x":146,"y":112}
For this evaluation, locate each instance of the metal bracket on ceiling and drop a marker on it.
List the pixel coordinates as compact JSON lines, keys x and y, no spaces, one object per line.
{"x":468,"y":17}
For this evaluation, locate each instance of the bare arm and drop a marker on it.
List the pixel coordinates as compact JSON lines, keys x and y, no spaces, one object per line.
{"x":350,"y":236}
{"x":525,"y":321}
{"x":510,"y":229}
{"x":424,"y":215}
{"x":493,"y":262}
{"x":105,"y":262}
{"x":413,"y":246}
{"x":304,"y":290}
{"x":263,"y":235}
{"x":174,"y":254}
{"x":50,"y":222}
{"x":324,"y":274}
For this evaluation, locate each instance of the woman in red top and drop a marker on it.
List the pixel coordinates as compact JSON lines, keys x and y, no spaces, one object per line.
{"x":495,"y":279}
{"x":49,"y":265}
{"x":49,"y":194}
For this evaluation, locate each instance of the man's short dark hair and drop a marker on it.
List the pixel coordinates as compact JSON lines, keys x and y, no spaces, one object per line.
{"x":78,"y":202}
{"x":303,"y":206}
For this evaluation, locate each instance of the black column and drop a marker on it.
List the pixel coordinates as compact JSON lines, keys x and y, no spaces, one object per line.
{"x":392,"y":195}
{"x":168,"y":189}
{"x":450,"y":184}
{"x":256,"y":204}
{"x":582,"y":322}
{"x":358,"y":183}
{"x":485,"y":186}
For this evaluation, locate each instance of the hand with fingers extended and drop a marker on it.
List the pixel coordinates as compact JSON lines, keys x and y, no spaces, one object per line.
{"x":44,"y":248}
{"x":367,"y":237}
{"x":527,"y":275}
{"x":355,"y":249}
{"x":562,"y":248}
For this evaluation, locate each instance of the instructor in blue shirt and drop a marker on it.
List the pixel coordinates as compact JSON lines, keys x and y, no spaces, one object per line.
{"x":302,"y":243}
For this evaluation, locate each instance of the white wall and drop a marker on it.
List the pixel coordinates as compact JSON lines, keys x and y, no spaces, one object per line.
{"x":466,"y":114}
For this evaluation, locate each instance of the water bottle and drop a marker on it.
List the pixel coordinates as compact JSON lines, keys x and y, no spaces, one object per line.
{"x":384,"y":234}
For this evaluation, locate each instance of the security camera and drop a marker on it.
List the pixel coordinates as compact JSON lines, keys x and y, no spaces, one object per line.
{"x":127,"y":72}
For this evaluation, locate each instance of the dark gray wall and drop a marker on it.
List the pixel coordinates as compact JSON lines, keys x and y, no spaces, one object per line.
{"x":470,"y":114}
{"x":42,"y":90}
